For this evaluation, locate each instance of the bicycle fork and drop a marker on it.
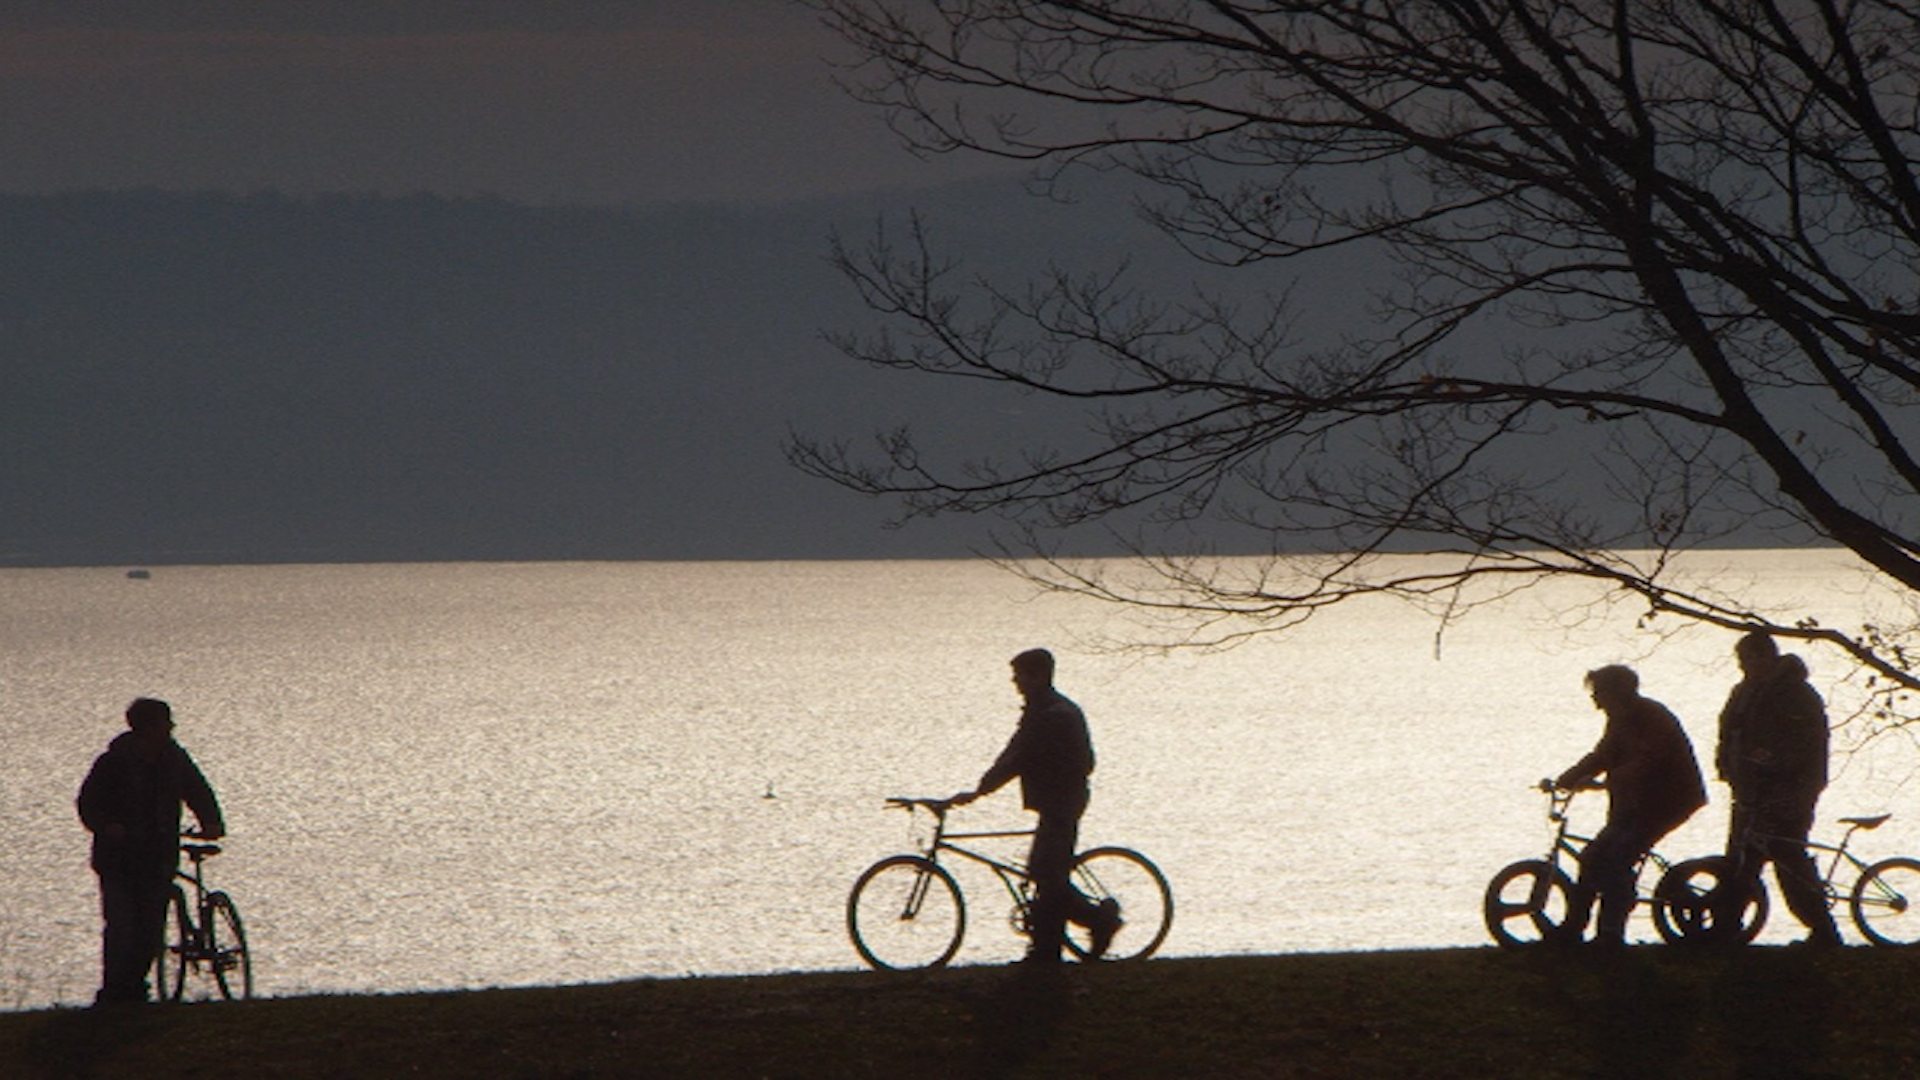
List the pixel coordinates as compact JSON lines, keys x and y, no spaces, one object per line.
{"x":917,"y":895}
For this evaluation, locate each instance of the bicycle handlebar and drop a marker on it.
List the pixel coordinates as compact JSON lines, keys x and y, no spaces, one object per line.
{"x":909,"y":802}
{"x":1559,"y":798}
{"x":1549,"y":786}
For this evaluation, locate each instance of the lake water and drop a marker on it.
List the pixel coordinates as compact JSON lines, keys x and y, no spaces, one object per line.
{"x":466,"y":775}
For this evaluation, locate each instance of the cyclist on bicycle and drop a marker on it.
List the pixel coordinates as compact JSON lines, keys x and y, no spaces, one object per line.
{"x":1052,"y":754}
{"x":1773,"y":753}
{"x":131,"y":801}
{"x":1653,"y":784}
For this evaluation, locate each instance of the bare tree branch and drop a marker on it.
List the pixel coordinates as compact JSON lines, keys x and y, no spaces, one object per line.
{"x":1696,"y":224}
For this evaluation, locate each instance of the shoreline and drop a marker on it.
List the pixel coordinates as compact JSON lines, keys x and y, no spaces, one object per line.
{"x":1648,"y":1011}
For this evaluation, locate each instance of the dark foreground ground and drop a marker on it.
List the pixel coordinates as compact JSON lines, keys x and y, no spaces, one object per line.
{"x":1651,"y":1012}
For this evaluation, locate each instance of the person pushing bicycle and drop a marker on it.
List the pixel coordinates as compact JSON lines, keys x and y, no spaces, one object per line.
{"x":1653,"y":785}
{"x":130,"y":802}
{"x":1052,"y":753}
{"x":1773,"y":754}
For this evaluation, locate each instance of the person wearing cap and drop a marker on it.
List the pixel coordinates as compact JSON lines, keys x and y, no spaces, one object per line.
{"x":130,"y":802}
{"x":1052,"y":754}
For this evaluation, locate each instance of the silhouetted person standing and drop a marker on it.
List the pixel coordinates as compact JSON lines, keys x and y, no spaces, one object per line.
{"x":1773,"y":753}
{"x":1052,"y":754}
{"x":131,"y":802}
{"x":1653,"y":784}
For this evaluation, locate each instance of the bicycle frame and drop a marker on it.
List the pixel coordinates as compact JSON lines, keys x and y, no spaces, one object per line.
{"x":1013,"y":876}
{"x":197,"y":856}
{"x":1572,"y":844}
{"x":1838,"y":853}
{"x":199,"y":906}
{"x":1857,"y":864}
{"x":1565,"y":841}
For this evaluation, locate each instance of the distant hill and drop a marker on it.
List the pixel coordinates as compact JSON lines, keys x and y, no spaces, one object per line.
{"x":222,"y":378}
{"x":225,"y":378}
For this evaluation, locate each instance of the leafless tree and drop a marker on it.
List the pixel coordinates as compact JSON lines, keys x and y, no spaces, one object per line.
{"x":1658,"y":253}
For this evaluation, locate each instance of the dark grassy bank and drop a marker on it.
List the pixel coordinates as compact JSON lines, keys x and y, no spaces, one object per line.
{"x":1650,"y":1012}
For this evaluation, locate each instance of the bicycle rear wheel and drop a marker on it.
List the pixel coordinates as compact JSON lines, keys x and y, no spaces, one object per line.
{"x":1886,"y":902}
{"x":1688,"y":895}
{"x":227,"y":953}
{"x":906,"y":912}
{"x":1526,"y":902}
{"x":170,"y":962}
{"x":1137,"y":888}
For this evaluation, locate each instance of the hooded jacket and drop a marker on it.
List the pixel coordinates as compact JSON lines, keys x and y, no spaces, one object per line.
{"x":1774,"y":739}
{"x":142,"y":793}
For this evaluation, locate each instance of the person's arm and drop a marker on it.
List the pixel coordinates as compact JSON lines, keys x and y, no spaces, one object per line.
{"x":1008,"y":765}
{"x":200,"y":799}
{"x":1582,"y":773}
{"x":1598,"y":760}
{"x":1724,"y":754}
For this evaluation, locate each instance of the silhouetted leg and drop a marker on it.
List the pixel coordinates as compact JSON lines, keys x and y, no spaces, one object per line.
{"x":1800,"y":880}
{"x":156,"y":896}
{"x":1747,"y":861}
{"x":1050,"y":862}
{"x":1606,"y":871}
{"x":1579,"y":910}
{"x":133,"y":908}
{"x":118,"y":918}
{"x":1737,"y":821}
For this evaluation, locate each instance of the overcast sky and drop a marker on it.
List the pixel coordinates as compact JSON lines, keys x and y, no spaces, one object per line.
{"x":542,"y":101}
{"x":369,"y":379}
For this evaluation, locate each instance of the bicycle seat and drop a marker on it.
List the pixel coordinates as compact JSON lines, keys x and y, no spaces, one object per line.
{"x":1873,"y":822}
{"x":196,"y":852}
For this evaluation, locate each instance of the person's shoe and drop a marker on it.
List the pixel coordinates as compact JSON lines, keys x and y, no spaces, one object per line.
{"x":1819,"y":939}
{"x":1106,"y":923}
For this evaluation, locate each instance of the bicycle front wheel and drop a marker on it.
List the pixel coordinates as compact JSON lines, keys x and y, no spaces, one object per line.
{"x":1137,"y":888}
{"x":905,"y":912}
{"x":1886,"y":902}
{"x":227,"y":951}
{"x":1526,"y":902}
{"x":170,"y":963}
{"x":1689,"y":896}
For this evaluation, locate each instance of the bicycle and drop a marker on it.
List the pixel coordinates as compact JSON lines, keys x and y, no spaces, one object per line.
{"x":906,"y":911}
{"x":205,"y":938}
{"x":1528,"y":901}
{"x":1884,"y":900}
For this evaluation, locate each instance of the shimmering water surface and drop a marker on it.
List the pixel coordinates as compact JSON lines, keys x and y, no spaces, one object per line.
{"x":470,"y":775}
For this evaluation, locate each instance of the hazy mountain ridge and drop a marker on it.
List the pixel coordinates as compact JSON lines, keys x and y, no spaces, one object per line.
{"x":260,"y":378}
{"x":226,"y":378}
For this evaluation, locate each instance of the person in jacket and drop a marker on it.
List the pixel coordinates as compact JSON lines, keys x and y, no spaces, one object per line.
{"x":1773,"y":754}
{"x":130,"y":802}
{"x":1653,"y":785}
{"x":1051,"y":753}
